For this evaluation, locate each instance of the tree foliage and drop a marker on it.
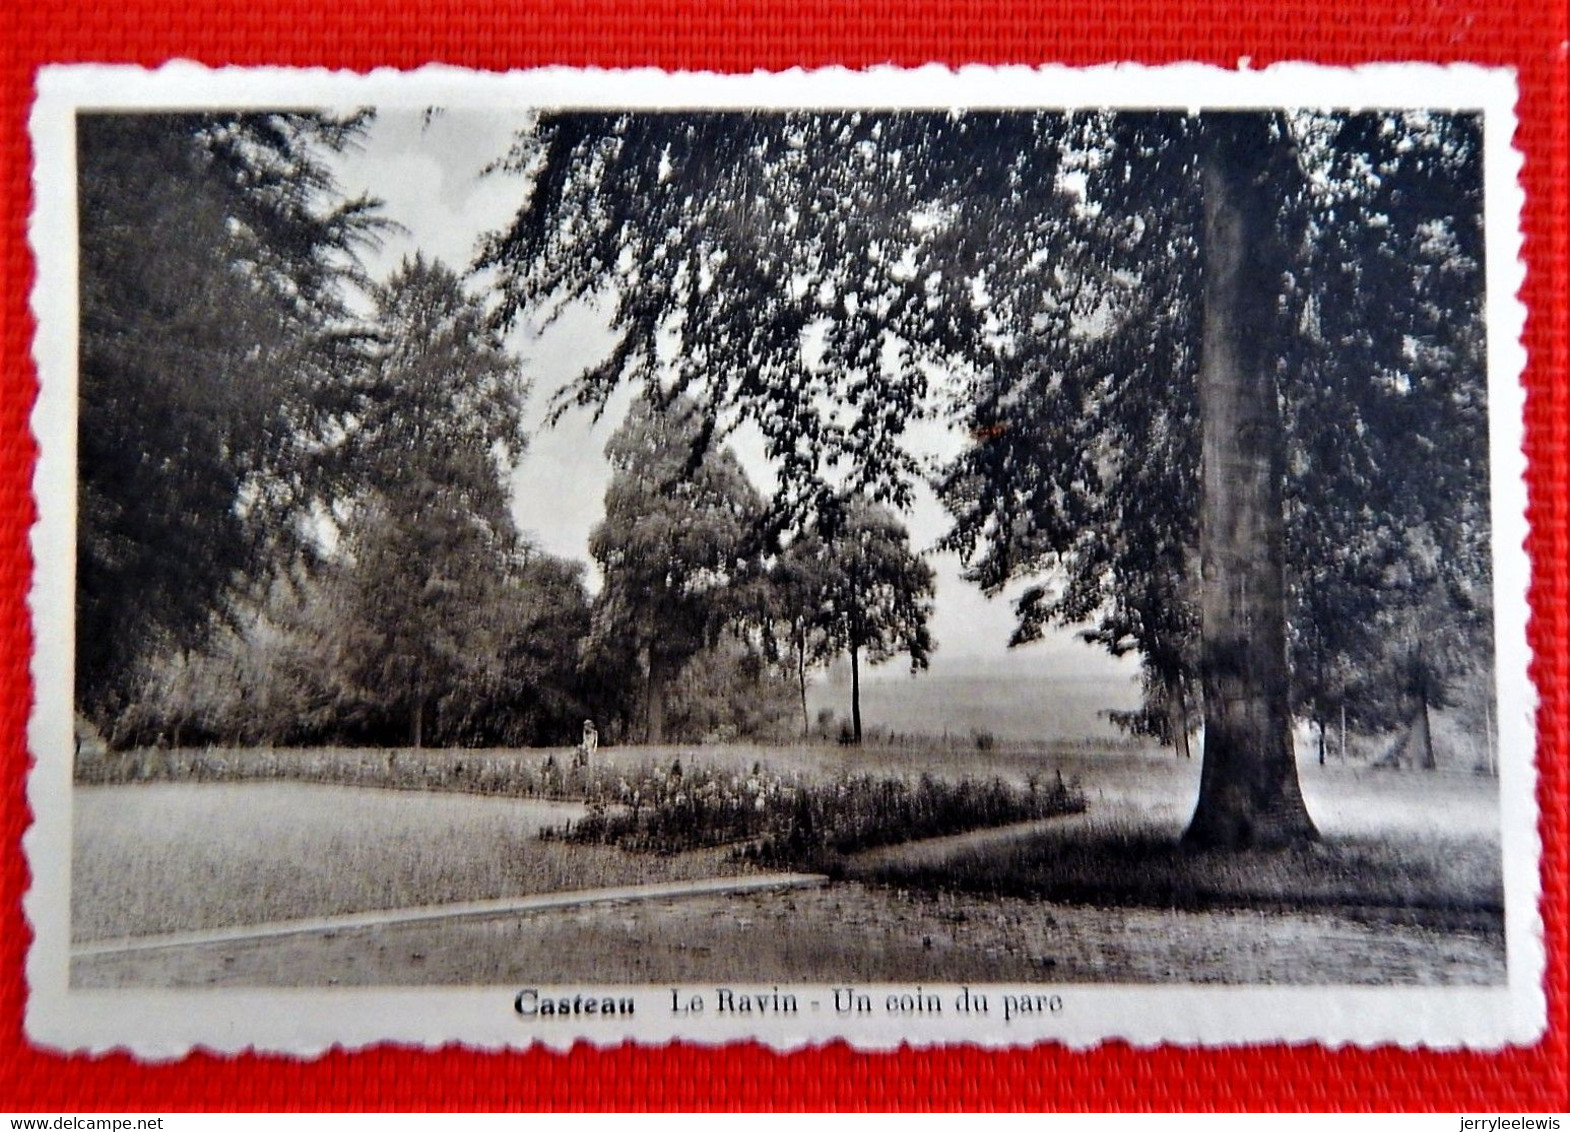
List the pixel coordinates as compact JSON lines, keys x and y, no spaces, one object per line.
{"x":1388,"y":415}
{"x":429,"y":542}
{"x":813,"y":274}
{"x":214,"y":249}
{"x":426,"y":618}
{"x":676,"y":547}
{"x":852,"y":586}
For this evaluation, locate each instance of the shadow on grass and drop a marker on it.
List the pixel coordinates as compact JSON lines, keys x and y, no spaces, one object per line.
{"x":1431,"y":881}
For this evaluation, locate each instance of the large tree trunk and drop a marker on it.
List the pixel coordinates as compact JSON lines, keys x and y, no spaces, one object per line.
{"x":1249,"y":793}
{"x":855,"y":695}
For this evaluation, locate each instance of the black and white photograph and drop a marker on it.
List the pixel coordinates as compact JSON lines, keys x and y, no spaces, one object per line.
{"x":959,"y":566}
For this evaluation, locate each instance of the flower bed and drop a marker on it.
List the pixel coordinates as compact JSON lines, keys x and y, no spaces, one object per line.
{"x":776,"y":820}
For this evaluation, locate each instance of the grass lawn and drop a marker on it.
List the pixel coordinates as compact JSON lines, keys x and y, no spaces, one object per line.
{"x":1433,"y":881}
{"x":1395,"y":844}
{"x":1404,"y":888}
{"x":168,"y":857}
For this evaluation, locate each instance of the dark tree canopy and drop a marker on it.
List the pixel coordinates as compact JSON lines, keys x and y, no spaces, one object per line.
{"x":423,"y":617}
{"x":213,"y":251}
{"x":745,"y":235}
{"x":1051,"y":264}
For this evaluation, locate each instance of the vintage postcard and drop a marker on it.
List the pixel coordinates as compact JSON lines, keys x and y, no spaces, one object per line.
{"x":986,"y":556}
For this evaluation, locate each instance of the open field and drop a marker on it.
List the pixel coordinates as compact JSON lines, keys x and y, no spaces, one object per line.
{"x":1404,"y":888}
{"x":1006,"y":704}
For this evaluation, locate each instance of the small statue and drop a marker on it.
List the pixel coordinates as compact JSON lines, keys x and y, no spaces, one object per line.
{"x":590,"y":744}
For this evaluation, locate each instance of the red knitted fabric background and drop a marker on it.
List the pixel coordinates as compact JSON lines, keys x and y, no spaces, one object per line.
{"x":741,"y":35}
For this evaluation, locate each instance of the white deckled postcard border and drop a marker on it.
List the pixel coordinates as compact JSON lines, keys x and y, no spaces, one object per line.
{"x":168,"y":1023}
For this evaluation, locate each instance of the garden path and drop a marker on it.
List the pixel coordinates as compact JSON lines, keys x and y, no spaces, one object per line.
{"x":462,"y":910}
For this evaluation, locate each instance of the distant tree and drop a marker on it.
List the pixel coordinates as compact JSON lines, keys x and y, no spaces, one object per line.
{"x":269,"y":678}
{"x":868,"y":595}
{"x":1333,"y":645}
{"x":288,"y":662}
{"x":730,"y":691}
{"x":215,"y":249}
{"x":678,"y":541}
{"x":429,"y":543}
{"x":795,"y":613}
{"x":544,"y":617}
{"x":292,"y":671}
{"x":1427,"y":651}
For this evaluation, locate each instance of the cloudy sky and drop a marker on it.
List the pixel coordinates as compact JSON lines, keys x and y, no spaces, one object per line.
{"x":429,"y":174}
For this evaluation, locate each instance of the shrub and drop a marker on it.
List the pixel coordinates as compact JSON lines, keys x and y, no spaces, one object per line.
{"x":774,"y":820}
